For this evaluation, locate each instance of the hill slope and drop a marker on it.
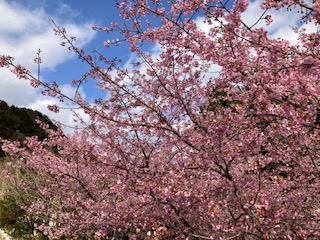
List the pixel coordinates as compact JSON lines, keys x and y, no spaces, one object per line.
{"x":18,"y":123}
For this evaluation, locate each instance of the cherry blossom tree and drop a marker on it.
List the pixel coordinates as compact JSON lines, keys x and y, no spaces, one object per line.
{"x":174,"y":151}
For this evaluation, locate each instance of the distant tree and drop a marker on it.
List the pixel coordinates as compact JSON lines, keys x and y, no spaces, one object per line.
{"x":3,"y":105}
{"x":174,"y":152}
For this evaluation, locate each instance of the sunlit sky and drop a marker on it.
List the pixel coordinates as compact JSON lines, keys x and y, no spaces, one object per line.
{"x":26,"y":26}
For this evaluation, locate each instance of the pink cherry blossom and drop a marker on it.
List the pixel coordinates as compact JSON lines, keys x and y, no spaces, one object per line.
{"x":176,"y":151}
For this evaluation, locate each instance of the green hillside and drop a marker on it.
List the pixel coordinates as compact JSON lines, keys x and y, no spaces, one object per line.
{"x":18,"y":123}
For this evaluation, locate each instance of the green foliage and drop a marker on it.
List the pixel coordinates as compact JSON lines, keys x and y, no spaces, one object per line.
{"x":12,"y":217}
{"x":10,"y":212}
{"x":220,"y":99}
{"x":15,"y":221}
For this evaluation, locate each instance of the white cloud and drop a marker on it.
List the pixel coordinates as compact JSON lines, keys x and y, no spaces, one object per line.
{"x":15,"y":91}
{"x":30,"y":30}
{"x":67,"y":109}
{"x":22,"y":32}
{"x":16,"y":20}
{"x":66,"y":114}
{"x":281,"y":27}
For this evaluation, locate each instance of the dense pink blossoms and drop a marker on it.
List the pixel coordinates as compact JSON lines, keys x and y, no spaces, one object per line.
{"x":175,"y":152}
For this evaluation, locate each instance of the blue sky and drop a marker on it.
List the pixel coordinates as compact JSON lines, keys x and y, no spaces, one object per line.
{"x":79,"y":12}
{"x":25,"y":26}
